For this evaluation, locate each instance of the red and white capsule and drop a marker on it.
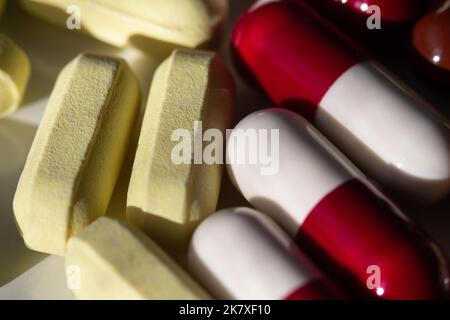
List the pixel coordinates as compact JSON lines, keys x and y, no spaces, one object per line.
{"x":339,"y":220}
{"x":241,"y":254}
{"x":397,"y":12}
{"x":387,"y":130}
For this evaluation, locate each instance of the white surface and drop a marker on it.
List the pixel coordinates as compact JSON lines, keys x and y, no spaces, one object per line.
{"x":305,"y":168}
{"x":49,"y":49}
{"x":390,"y":133}
{"x":267,"y":265}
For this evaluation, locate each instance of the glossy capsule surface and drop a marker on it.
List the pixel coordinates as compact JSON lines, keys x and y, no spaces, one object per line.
{"x":398,"y":11}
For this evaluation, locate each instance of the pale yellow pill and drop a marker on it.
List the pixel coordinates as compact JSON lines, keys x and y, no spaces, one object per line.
{"x":188,"y":23}
{"x":168,"y":198}
{"x":77,"y":152}
{"x":111,"y":260}
{"x":14,"y":75}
